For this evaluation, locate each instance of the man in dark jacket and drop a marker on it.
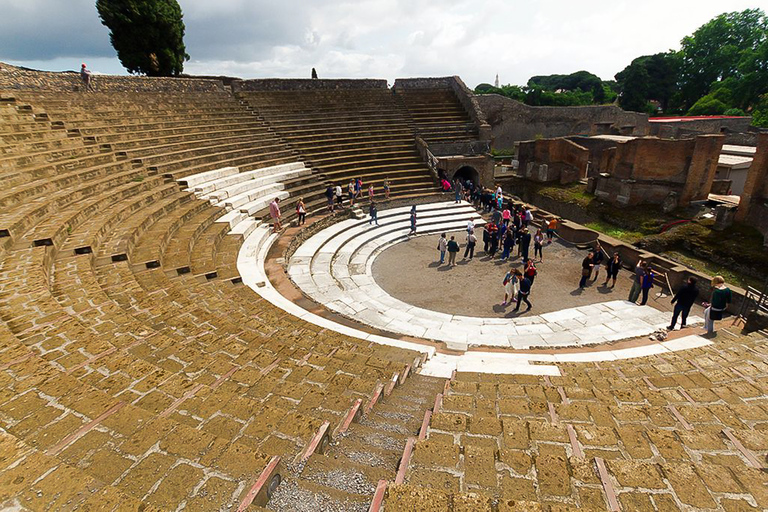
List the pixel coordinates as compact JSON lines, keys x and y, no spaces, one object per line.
{"x":683,"y":300}
{"x":524,"y":292}
{"x":525,"y":244}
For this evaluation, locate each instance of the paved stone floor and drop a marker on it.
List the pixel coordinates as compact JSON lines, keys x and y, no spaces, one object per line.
{"x":410,"y":271}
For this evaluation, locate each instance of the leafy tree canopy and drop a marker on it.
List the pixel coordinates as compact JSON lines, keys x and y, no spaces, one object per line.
{"x":148,"y":35}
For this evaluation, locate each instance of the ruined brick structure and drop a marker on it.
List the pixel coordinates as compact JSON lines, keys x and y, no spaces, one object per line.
{"x":658,"y":171}
{"x":550,"y":160}
{"x":753,"y":208}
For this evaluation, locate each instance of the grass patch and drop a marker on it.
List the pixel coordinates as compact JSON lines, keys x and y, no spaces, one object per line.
{"x":614,"y":231}
{"x":714,"y":269}
{"x":573,"y":194}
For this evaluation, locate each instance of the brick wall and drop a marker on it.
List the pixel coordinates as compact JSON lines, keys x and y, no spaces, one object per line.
{"x":305,"y":84}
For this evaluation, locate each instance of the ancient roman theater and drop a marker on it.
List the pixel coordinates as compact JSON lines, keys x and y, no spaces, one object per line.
{"x":165,"y":346}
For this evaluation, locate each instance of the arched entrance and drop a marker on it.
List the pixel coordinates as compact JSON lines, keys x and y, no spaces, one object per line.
{"x":467,"y":173}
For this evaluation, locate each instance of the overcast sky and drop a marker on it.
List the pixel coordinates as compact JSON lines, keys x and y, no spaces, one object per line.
{"x":474,"y":39}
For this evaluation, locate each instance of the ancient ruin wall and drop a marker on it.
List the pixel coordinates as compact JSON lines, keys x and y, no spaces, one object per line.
{"x":512,"y":121}
{"x":566,"y":161}
{"x":652,"y":159}
{"x":701,"y":172}
{"x":754,"y":207}
{"x":16,"y":78}
{"x":306,"y":84}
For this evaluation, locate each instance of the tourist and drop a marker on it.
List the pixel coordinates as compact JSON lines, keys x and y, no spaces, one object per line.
{"x":351,"y":192}
{"x":442,"y":246}
{"x":86,"y":77}
{"x":495,"y":215}
{"x":370,"y":192}
{"x":329,"y":195}
{"x":683,"y":300}
{"x":598,"y":259}
{"x":721,"y":297}
{"x":413,"y":221}
{"x":470,"y":226}
{"x":499,"y":198}
{"x":487,"y":238}
{"x":523,"y":292}
{"x":647,"y":284}
{"x":301,"y":211}
{"x":471,"y":242}
{"x":612,"y":269}
{"x":507,"y":244}
{"x":446,"y":185}
{"x":386,"y":188}
{"x":458,"y":190}
{"x":517,"y":220}
{"x":506,"y":215}
{"x":274,"y":212}
{"x":494,"y":239}
{"x":637,"y":282}
{"x":511,"y":286}
{"x":586,"y":269}
{"x":339,"y":196}
{"x":528,"y":216}
{"x":538,"y":245}
{"x":453,"y":250}
{"x":530,"y":271}
{"x":551,"y":229}
{"x":374,"y":213}
{"x":525,"y":244}
{"x":358,"y":188}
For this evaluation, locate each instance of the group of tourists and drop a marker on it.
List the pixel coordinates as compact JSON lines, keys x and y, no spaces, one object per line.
{"x":334,"y":194}
{"x":594,"y":261}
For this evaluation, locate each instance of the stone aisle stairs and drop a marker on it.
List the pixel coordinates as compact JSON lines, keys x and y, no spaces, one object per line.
{"x":346,"y":477}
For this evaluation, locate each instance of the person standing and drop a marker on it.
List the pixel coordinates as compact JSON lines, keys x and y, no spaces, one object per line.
{"x":530,"y":271}
{"x":351,"y":192}
{"x":274,"y":212}
{"x":413,"y":221}
{"x":339,"y":196}
{"x":524,"y":292}
{"x":721,"y":297}
{"x":597,"y":260}
{"x":329,"y":195}
{"x":471,"y":242}
{"x":487,"y":238}
{"x":507,"y":244}
{"x":386,"y":188}
{"x":453,"y":250}
{"x":442,"y":246}
{"x":301,"y":211}
{"x":551,"y":229}
{"x":358,"y":188}
{"x":647,"y":284}
{"x":374,"y":213}
{"x":612,"y":269}
{"x":87,"y":77}
{"x":637,"y":282}
{"x":538,"y":245}
{"x":458,"y":190}
{"x":494,"y":239}
{"x":683,"y":300}
{"x":528,"y":216}
{"x":470,"y":226}
{"x":525,"y":244}
{"x":370,"y":192}
{"x":511,"y":286}
{"x":586,"y":269}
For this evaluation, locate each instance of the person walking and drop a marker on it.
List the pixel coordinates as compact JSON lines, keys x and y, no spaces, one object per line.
{"x":386,"y":188}
{"x":339,"y":196}
{"x":358,"y":188}
{"x":538,"y":245}
{"x":525,"y":244}
{"x":274,"y":212}
{"x":413,"y":221}
{"x":721,"y":297}
{"x":329,"y":196}
{"x":597,"y":260}
{"x":442,"y":246}
{"x":586,"y":269}
{"x":612,"y":269}
{"x":471,"y":242}
{"x":530,"y":271}
{"x":301,"y":211}
{"x":453,"y":250}
{"x":683,"y":300}
{"x":524,"y":292}
{"x":487,"y":237}
{"x":551,"y":229}
{"x":511,"y":286}
{"x":374,"y":213}
{"x":647,"y":284}
{"x":637,"y":282}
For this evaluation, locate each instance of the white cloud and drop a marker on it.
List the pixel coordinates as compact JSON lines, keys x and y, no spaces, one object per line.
{"x":374,"y":38}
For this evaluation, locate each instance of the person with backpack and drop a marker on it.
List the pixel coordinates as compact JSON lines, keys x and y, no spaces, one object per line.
{"x":442,"y":246}
{"x":453,"y":250}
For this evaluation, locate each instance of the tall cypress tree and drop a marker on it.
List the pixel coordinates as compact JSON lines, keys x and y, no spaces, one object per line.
{"x":148,"y":35}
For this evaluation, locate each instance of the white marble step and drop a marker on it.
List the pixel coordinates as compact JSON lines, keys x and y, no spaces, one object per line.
{"x":196,"y":179}
{"x":245,"y":227}
{"x":251,"y":180}
{"x":220,"y":183}
{"x":262,"y":202}
{"x":251,"y":194}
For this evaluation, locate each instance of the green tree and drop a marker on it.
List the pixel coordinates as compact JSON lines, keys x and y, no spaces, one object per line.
{"x":148,"y":35}
{"x":633,"y":82}
{"x":721,"y":48}
{"x":657,"y":80}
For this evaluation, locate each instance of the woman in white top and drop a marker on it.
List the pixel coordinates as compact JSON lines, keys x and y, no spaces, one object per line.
{"x":301,"y":211}
{"x":511,"y":287}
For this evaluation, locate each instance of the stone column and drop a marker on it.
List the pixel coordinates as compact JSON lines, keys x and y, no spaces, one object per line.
{"x":755,"y":186}
{"x":701,"y":172}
